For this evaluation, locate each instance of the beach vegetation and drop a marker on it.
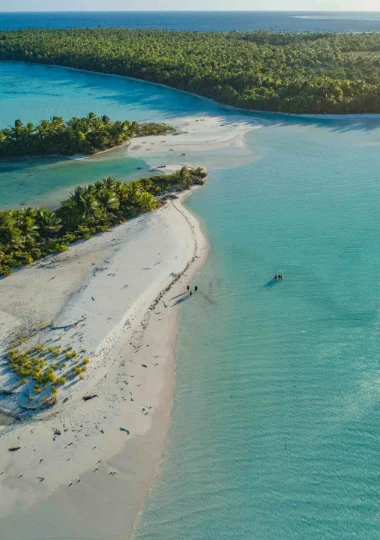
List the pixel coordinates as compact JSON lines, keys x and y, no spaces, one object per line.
{"x":295,"y":72}
{"x":39,"y":364}
{"x":88,"y":211}
{"x":87,"y":135}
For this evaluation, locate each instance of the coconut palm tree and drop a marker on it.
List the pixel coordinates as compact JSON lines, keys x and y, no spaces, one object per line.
{"x":110,"y":183}
{"x":47,"y":222}
{"x":85,"y":203}
{"x":107,"y":201}
{"x":28,"y":234}
{"x":86,"y":135}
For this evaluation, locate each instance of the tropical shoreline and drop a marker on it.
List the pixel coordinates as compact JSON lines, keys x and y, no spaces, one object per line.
{"x":117,"y":337}
{"x":31,"y":486}
{"x":146,"y":424}
{"x":350,"y":116}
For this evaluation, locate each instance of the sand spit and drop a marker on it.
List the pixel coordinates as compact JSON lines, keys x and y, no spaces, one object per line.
{"x":84,"y":468}
{"x":197,"y":134}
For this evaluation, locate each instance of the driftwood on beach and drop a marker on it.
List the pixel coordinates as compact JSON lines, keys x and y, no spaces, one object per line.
{"x":52,"y":327}
{"x":87,"y":398}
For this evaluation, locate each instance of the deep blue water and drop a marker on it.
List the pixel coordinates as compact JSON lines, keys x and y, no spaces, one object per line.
{"x":205,"y":21}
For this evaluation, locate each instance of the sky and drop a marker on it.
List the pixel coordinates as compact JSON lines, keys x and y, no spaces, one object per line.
{"x":191,"y":5}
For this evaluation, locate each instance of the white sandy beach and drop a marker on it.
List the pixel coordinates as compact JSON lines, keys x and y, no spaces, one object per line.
{"x":91,"y":480}
{"x":124,"y":270}
{"x":196,"y":134}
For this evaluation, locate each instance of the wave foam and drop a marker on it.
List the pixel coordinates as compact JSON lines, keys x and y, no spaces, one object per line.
{"x":337,"y":18}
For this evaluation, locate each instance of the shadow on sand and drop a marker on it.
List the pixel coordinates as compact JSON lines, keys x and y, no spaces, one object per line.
{"x":180,"y":300}
{"x":178,"y":295}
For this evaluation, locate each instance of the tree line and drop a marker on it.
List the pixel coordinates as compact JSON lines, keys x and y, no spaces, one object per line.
{"x":288,"y":72}
{"x":31,"y":233}
{"x":86,"y":135}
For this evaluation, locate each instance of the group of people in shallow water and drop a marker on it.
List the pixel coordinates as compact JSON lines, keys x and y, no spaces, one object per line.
{"x":278,"y":277}
{"x":189,"y":291}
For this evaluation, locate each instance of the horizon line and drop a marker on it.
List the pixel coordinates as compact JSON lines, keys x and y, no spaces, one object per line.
{"x":194,"y":11}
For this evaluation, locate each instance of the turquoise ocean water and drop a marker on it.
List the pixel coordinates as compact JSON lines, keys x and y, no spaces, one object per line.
{"x":32,"y":93}
{"x":274,"y":432}
{"x":275,"y":423}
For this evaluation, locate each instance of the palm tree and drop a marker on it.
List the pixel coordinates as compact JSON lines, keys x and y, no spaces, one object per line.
{"x":58,"y":122}
{"x":90,"y":118}
{"x":148,"y":203}
{"x":8,"y":227}
{"x":96,"y":187}
{"x":72,"y":123}
{"x":110,"y":183}
{"x":86,"y":135}
{"x":25,"y":222}
{"x":133,"y":127}
{"x":108,"y":201}
{"x":84,"y":203}
{"x":47,"y":223}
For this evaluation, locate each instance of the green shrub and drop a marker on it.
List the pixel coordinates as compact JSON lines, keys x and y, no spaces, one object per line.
{"x":6,"y":270}
{"x":35,"y":253}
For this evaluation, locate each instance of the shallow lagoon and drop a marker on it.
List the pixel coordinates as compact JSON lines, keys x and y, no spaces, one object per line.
{"x":31,"y":93}
{"x":274,"y":431}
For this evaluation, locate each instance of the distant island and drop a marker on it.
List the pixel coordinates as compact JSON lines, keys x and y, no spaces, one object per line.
{"x":87,"y":135}
{"x":32,"y":233}
{"x":287,"y":72}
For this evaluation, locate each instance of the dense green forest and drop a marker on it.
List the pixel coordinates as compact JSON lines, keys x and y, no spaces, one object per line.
{"x":29,"y":234}
{"x":298,"y":73}
{"x":86,"y":135}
